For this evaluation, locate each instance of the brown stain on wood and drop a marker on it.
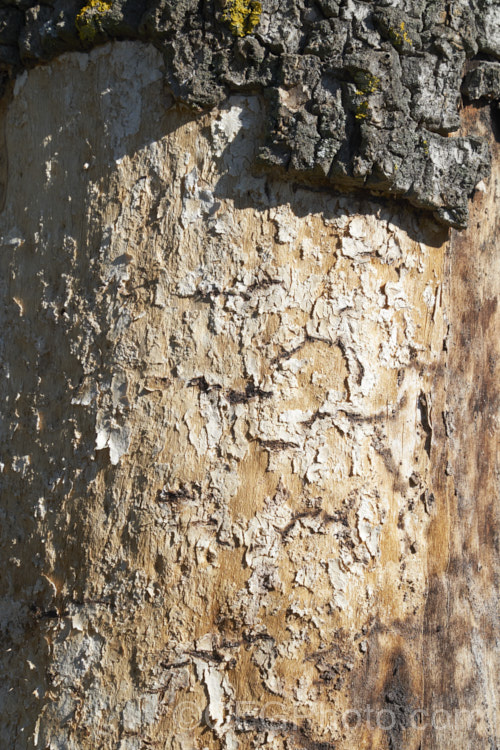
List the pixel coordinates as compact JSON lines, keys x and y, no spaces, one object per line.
{"x":439,"y":667}
{"x":461,"y":615}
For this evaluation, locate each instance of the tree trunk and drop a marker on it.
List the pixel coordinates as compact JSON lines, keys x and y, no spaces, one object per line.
{"x":248,"y":448}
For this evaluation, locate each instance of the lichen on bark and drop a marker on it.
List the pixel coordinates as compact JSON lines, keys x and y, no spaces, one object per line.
{"x":88,"y":20}
{"x":242,"y":16}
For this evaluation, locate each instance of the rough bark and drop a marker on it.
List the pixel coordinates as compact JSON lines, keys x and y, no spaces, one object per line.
{"x":357,"y":94}
{"x":248,"y":437}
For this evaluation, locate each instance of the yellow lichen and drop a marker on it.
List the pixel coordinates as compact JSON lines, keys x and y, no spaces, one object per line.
{"x":362,"y":110}
{"x":400,"y":36}
{"x":242,"y":16}
{"x":367,"y":84}
{"x":88,"y":20}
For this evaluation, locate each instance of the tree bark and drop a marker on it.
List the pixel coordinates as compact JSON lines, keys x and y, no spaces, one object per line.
{"x":248,"y":440}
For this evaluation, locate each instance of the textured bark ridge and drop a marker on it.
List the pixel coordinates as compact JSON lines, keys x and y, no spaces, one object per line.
{"x":358,"y":94}
{"x":240,"y":500}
